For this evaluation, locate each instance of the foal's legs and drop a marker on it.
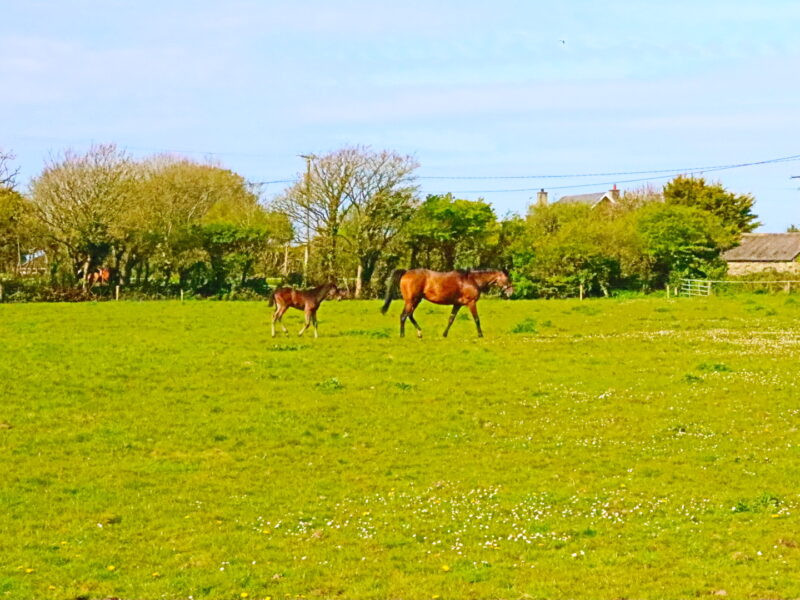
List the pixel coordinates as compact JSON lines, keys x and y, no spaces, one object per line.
{"x":308,"y":321}
{"x":473,"y":308}
{"x":456,"y":308}
{"x":278,"y":316}
{"x":280,"y":320}
{"x":314,"y":321}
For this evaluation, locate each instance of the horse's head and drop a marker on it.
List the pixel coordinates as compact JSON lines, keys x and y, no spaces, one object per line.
{"x":334,"y":292}
{"x":504,"y":283}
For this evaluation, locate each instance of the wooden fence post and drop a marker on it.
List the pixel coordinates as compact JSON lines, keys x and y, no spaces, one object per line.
{"x":580,"y":291}
{"x":1,"y":292}
{"x":181,"y":295}
{"x":116,"y":293}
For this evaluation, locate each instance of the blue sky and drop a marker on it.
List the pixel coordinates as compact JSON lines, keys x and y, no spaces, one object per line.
{"x":469,"y":88}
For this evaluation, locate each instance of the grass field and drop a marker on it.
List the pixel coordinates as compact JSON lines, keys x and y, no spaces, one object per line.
{"x":640,"y":448}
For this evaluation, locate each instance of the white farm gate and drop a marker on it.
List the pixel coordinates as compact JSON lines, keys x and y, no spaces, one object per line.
{"x":696,"y":287}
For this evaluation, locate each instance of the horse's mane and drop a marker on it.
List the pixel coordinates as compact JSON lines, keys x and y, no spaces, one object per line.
{"x":466,"y":272}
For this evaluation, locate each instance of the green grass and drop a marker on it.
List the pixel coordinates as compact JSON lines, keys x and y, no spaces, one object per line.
{"x":638,"y":448}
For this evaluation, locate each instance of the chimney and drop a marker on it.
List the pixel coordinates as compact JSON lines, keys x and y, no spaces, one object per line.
{"x":614,"y":193}
{"x":541,"y":197}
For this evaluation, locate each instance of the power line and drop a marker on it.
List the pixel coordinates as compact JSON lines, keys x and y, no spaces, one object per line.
{"x":655,"y":172}
{"x":273,"y":181}
{"x":656,"y":176}
{"x":694,"y":171}
{"x":609,"y":174}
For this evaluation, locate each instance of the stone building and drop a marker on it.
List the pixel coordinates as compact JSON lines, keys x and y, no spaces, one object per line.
{"x":765,"y":252}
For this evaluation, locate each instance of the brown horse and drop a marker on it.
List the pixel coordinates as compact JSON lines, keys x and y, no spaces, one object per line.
{"x":101,"y":277}
{"x":456,"y":288}
{"x":306,"y":300}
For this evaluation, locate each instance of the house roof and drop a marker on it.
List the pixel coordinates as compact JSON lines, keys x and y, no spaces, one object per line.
{"x":590,"y":199}
{"x":765,"y":247}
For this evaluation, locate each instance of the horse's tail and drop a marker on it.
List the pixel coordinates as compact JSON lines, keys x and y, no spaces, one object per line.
{"x":271,"y":299}
{"x":390,"y":285}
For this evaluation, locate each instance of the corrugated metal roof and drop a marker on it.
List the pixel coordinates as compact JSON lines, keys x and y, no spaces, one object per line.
{"x":766,"y":247}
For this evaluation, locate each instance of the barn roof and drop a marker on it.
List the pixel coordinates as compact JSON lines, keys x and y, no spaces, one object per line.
{"x":765,"y":247}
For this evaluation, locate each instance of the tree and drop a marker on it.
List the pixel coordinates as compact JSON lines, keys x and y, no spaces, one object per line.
{"x":13,"y":209}
{"x":177,"y":196}
{"x":382,"y":202}
{"x":733,"y":211}
{"x":371,"y":193}
{"x":570,"y":246}
{"x":17,"y":229}
{"x":8,"y":175}
{"x":81,"y":199}
{"x":235,"y":233}
{"x":682,"y":241}
{"x":446,"y":232}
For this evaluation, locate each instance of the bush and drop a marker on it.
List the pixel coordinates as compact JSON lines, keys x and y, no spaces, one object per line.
{"x":36,"y":289}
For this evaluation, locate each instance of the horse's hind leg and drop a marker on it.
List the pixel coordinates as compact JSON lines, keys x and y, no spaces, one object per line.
{"x":408,"y":313}
{"x":473,"y":308}
{"x":456,"y":308}
{"x":403,"y":317}
{"x":278,"y":316}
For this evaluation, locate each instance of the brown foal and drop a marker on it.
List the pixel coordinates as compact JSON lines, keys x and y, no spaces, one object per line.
{"x":306,"y":300}
{"x":456,"y":288}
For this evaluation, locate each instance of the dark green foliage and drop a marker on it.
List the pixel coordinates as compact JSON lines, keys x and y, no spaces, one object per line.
{"x":448,"y":233}
{"x":733,"y":211}
{"x":681,"y":241}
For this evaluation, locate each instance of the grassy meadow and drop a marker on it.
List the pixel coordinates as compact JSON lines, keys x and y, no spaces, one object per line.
{"x":624,"y":448}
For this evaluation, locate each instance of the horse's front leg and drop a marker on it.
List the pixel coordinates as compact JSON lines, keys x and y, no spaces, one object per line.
{"x":456,"y":308}
{"x":314,"y":322}
{"x":473,"y":308}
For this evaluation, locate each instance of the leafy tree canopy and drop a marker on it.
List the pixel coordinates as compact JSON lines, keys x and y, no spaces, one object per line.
{"x":734,"y":211}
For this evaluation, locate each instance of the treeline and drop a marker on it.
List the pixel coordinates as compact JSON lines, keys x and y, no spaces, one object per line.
{"x":166,"y":224}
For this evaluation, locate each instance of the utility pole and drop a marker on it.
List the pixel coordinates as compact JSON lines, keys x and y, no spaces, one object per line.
{"x":309,"y":158}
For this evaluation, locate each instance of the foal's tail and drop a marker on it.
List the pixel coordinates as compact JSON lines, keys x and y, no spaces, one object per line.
{"x":272,"y":299}
{"x":390,"y":286}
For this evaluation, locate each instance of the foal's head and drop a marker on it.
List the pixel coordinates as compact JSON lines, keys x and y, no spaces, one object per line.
{"x":334,"y":292}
